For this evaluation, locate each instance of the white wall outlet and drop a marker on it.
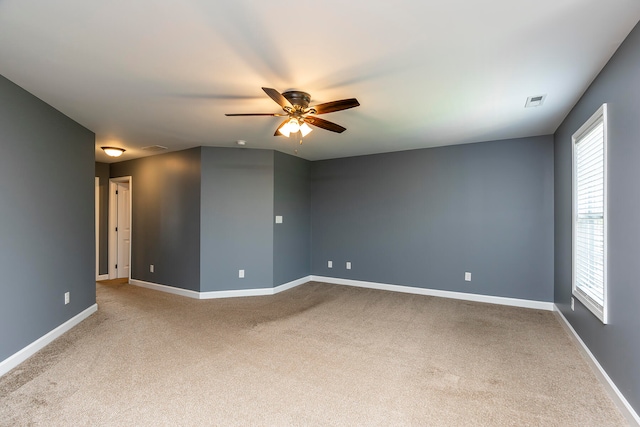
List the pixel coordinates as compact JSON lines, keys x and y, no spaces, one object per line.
{"x":348,"y":265}
{"x":573,"y":304}
{"x":151,"y":268}
{"x":241,"y":274}
{"x":67,"y":298}
{"x":330,"y":264}
{"x":278,"y":219}
{"x":467,"y":276}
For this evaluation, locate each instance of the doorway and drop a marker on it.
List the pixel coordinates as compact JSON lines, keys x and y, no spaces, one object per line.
{"x":120,"y":228}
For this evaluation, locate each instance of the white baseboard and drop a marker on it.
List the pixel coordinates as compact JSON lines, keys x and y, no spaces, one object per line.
{"x":165,"y":288}
{"x":221,"y":294}
{"x":540,"y":305}
{"x":102,"y":277}
{"x":613,"y":391}
{"x":22,"y":355}
{"x":292,"y":284}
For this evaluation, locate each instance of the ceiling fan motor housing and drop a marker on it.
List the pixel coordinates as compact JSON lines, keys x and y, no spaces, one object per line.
{"x":298,"y":99}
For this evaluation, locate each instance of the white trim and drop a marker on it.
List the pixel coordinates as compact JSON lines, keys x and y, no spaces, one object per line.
{"x":237,"y":293}
{"x":164,"y":288}
{"x":601,"y":312}
{"x":220,"y":294}
{"x":540,"y":305}
{"x":113,"y":214}
{"x":292,"y":284}
{"x":514,"y":302}
{"x":97,"y":225}
{"x":17,"y":358}
{"x":103,"y":277}
{"x":112,"y":244}
{"x":613,"y":391}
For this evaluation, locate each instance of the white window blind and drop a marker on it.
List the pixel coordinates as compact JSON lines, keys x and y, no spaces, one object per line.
{"x":589,"y":211}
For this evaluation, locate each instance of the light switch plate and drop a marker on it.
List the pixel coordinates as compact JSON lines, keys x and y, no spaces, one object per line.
{"x":241,"y":274}
{"x":278,"y":219}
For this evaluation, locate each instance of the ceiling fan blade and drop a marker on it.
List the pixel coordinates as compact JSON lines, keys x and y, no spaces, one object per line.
{"x":330,"y":107}
{"x":324,"y":124}
{"x":256,"y":114}
{"x":277,"y":96}
{"x":277,"y":133}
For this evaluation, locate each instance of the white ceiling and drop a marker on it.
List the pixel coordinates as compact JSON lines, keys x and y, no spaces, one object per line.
{"x":426,"y":73}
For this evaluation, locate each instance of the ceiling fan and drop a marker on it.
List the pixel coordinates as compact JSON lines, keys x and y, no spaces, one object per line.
{"x":299,"y":115}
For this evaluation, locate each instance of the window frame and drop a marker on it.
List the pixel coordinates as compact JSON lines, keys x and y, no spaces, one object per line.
{"x":601,"y":312}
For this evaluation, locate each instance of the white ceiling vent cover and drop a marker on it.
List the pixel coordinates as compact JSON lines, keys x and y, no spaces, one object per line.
{"x":535,"y":101}
{"x":155,"y":148}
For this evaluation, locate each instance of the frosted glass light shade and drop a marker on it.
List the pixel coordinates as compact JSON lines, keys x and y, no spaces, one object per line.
{"x":284,"y":130}
{"x":113,"y":151}
{"x":305,"y":129}
{"x":293,"y":125}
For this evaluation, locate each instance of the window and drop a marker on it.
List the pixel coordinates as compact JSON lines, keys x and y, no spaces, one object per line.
{"x":589,"y":281}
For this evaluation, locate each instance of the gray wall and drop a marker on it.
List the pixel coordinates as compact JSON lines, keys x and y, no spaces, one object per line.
{"x":292,"y":200}
{"x":236,"y":218}
{"x":423,"y":217}
{"x":616,"y":345}
{"x":166,"y":217}
{"x":47,"y":210}
{"x":102,"y":172}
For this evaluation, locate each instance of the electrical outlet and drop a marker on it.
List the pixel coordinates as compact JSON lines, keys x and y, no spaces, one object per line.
{"x":467,"y":276}
{"x":151,"y":268}
{"x":573,"y":304}
{"x":241,"y":274}
{"x":278,"y":219}
{"x":330,"y":264}
{"x":67,"y":298}
{"x":348,"y":265}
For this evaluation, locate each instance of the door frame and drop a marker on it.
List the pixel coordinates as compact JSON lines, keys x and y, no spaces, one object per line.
{"x":97,"y":231}
{"x":113,"y":217}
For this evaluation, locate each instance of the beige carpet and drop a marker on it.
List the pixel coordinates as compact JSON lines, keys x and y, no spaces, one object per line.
{"x":318,"y":355}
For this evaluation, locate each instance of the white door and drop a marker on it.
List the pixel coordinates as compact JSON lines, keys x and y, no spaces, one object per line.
{"x":97,"y":224}
{"x":123,"y":229}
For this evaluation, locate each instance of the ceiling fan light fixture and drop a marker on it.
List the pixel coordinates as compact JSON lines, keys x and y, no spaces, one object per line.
{"x":293,"y":126}
{"x":305,"y":129}
{"x":284,"y":130}
{"x":113,"y":151}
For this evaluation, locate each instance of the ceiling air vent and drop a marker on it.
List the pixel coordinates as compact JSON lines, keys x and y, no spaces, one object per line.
{"x":535,"y":101}
{"x":154,"y":148}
